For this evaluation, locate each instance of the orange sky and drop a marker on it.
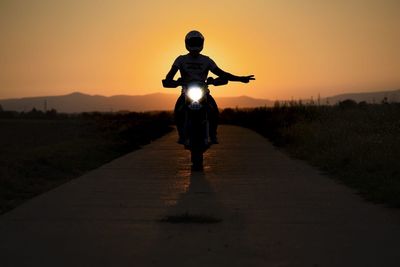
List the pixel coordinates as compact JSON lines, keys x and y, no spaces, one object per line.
{"x":295,"y":48}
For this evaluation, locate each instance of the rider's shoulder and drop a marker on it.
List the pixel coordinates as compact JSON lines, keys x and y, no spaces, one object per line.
{"x":180,"y":57}
{"x":178,"y":61}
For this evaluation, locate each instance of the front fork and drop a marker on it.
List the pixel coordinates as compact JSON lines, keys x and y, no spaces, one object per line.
{"x":197,"y":125}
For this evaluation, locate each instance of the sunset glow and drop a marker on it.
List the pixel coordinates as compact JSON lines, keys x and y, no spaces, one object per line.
{"x":295,"y":48}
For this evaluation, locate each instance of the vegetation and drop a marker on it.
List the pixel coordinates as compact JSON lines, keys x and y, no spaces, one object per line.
{"x":357,"y":143}
{"x":41,"y":150}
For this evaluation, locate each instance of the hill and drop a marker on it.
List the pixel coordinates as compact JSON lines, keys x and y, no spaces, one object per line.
{"x":370,"y":97}
{"x":79,"y":102}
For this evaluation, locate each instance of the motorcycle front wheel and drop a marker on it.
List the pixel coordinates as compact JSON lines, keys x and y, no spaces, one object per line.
{"x":197,"y":160}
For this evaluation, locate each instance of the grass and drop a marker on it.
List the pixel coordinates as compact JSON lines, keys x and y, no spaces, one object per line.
{"x":359,"y":144}
{"x":40,"y":151}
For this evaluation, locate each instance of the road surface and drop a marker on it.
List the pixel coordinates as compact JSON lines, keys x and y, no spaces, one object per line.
{"x":252,"y":206}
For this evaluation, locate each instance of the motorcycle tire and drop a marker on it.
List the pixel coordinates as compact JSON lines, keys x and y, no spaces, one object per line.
{"x":197,"y":160}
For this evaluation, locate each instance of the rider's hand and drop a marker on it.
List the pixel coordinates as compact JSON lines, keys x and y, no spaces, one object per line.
{"x":246,"y":79}
{"x":171,"y":83}
{"x":210,"y":80}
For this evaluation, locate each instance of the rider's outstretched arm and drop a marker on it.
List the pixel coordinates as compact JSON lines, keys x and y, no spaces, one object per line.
{"x":226,"y":75}
{"x":169,"y":82}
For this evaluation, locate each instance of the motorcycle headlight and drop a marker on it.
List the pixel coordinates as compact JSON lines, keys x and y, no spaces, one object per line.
{"x":195,"y":93}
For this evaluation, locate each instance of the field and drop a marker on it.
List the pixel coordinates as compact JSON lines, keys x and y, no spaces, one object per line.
{"x":358,"y":144}
{"x":39,"y":151}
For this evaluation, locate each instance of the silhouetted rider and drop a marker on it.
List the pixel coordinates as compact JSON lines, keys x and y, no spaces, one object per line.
{"x":195,"y":67}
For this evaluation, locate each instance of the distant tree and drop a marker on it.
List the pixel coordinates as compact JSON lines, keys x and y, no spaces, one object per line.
{"x":51,"y":113}
{"x":34,"y":113}
{"x":363,"y":104}
{"x":277,"y":104}
{"x":347,"y":103}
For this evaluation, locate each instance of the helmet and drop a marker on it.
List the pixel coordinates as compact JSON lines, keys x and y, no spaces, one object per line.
{"x":194,"y":41}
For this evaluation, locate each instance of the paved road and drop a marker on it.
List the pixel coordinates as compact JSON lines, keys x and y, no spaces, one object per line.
{"x":272,"y":211}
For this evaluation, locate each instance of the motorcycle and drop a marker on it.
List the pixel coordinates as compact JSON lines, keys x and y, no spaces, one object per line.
{"x":197,"y":126}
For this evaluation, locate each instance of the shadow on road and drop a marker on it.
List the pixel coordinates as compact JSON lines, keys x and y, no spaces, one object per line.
{"x":197,"y":229}
{"x":197,"y":205}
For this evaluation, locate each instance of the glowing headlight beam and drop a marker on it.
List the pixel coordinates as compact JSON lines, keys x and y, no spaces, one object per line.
{"x":195,"y":93}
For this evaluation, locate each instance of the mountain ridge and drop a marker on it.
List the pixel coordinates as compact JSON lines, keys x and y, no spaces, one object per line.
{"x":369,"y":97}
{"x":80,"y":102}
